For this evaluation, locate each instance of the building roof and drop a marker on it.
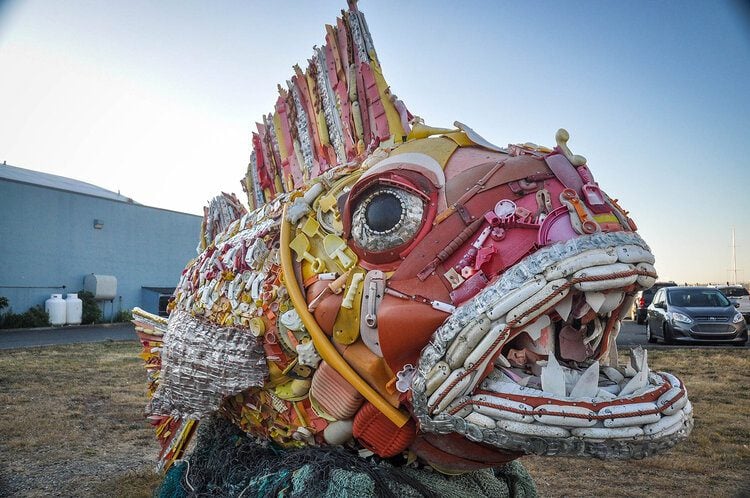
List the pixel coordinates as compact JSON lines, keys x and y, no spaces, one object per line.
{"x":21,"y":175}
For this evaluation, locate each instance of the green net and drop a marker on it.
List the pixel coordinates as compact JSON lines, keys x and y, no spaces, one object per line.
{"x":227,"y":462}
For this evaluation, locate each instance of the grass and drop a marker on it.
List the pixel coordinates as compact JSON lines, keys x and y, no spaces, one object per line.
{"x":71,"y":420}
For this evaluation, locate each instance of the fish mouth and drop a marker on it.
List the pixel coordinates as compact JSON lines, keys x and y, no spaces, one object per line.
{"x":530,"y":364}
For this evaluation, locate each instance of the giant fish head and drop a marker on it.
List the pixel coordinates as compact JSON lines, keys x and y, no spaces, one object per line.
{"x":410,"y":291}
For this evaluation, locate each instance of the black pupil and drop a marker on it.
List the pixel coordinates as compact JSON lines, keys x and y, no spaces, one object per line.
{"x":383,"y":212}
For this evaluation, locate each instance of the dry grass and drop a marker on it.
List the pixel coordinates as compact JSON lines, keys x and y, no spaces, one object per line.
{"x":714,"y":461}
{"x":71,"y":425}
{"x":71,"y":422}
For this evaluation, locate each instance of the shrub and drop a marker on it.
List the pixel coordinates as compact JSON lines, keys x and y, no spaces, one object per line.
{"x":123,"y":316}
{"x":91,"y":312}
{"x":33,"y":317}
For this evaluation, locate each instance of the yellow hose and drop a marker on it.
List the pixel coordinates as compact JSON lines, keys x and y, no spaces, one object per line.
{"x":327,"y":351}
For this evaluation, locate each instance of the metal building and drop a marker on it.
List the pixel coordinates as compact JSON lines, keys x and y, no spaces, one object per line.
{"x":54,"y":231}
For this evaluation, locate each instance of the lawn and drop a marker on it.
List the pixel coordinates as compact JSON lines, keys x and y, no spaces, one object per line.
{"x":71,"y":420}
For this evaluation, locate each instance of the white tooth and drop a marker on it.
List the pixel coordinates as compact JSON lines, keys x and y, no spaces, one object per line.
{"x":568,"y":266}
{"x":639,"y":359}
{"x":613,"y":374}
{"x":466,"y":341}
{"x":553,"y":378}
{"x":512,"y":299}
{"x":605,"y":395}
{"x":612,"y":353}
{"x":480,"y":420}
{"x":595,"y":300}
{"x":563,"y":307}
{"x":646,"y":281}
{"x":535,"y":329}
{"x":639,"y":381}
{"x":612,"y":301}
{"x":539,"y":430}
{"x":634,"y":254}
{"x":588,"y":385}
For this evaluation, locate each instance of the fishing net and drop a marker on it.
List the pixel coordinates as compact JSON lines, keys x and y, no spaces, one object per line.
{"x":228,"y":462}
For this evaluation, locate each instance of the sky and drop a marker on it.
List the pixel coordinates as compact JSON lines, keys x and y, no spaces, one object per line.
{"x":157,"y":100}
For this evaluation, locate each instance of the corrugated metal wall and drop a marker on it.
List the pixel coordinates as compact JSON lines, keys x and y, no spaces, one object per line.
{"x":48,"y":239}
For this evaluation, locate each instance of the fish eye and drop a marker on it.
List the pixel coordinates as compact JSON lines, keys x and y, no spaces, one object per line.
{"x":386,"y":217}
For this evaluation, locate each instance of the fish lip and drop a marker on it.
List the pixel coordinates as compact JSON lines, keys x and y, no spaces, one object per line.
{"x":444,"y":422}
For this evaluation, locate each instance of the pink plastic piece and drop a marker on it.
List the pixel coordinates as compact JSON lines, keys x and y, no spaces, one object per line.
{"x":556,"y":227}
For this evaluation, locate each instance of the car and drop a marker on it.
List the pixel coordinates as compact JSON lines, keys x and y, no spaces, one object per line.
{"x":694,"y":314}
{"x":740,"y":295}
{"x":643,"y":299}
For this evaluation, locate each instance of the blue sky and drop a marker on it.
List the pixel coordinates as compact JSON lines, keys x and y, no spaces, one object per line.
{"x":157,"y":99}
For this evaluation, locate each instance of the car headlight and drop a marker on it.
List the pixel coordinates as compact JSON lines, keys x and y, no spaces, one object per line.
{"x":679,"y":317}
{"x":737,"y":317}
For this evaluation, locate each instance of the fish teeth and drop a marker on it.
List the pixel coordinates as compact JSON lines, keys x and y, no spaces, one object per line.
{"x":553,"y":377}
{"x":588,"y":385}
{"x":564,"y":307}
{"x":595,"y":300}
{"x":534,"y":329}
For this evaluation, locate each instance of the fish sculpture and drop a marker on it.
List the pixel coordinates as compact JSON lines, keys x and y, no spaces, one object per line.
{"x":404,"y":289}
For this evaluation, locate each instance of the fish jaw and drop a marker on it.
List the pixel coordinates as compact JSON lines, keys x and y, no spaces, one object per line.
{"x":530,"y":363}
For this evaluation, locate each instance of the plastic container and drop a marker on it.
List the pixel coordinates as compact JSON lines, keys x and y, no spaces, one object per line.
{"x":56,"y":309}
{"x":103,"y":287}
{"x":73,"y":309}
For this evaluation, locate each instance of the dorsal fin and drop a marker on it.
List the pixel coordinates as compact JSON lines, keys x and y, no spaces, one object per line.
{"x":334,"y":113}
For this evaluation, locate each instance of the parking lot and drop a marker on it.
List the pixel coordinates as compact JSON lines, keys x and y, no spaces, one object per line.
{"x":632,"y":334}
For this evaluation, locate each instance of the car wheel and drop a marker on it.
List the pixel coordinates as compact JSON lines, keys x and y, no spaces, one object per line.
{"x":650,"y":334}
{"x":668,"y":338}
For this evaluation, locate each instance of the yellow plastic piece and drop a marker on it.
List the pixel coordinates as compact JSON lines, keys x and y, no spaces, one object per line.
{"x":346,"y":326}
{"x":279,"y":138}
{"x":439,"y":148}
{"x":326,"y":350}
{"x":391,"y":114}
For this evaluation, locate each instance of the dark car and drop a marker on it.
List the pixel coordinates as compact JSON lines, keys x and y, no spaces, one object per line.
{"x":701,"y":314}
{"x":643,"y":300}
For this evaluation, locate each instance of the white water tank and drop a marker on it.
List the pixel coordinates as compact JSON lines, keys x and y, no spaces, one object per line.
{"x":73,"y":309}
{"x":56,"y":309}
{"x":103,"y":287}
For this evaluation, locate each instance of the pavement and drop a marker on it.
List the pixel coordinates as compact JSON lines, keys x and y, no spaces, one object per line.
{"x":72,"y":334}
{"x":631,"y":334}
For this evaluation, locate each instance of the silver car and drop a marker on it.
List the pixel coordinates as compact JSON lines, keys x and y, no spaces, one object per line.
{"x":695,"y":314}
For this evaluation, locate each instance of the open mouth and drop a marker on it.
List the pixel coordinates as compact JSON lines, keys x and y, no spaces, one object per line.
{"x":530,"y":364}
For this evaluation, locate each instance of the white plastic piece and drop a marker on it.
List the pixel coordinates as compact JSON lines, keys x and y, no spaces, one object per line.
{"x":307,"y":354}
{"x":585,"y":259}
{"x":532,"y":429}
{"x":668,"y":396}
{"x":602,"y":433}
{"x":664,"y":423}
{"x":605,"y":395}
{"x":604,"y":271}
{"x":625,"y":410}
{"x":448,"y":393}
{"x":547,"y":414}
{"x":613,"y":374}
{"x":646,"y":281}
{"x":534,"y":330}
{"x":668,"y":431}
{"x":553,"y":378}
{"x":588,"y":385}
{"x":480,"y":420}
{"x":499,"y":413}
{"x":564,"y":307}
{"x":634,"y":254}
{"x":436,"y":376}
{"x":688,"y":409}
{"x":444,"y":307}
{"x":339,"y":432}
{"x":611,"y":302}
{"x":639,"y":381}
{"x":673,"y":381}
{"x":632,"y":421}
{"x":466,"y":341}
{"x":595,"y":300}
{"x":551,"y":294}
{"x":484,"y":345}
{"x":351,"y":292}
{"x":516,"y":297}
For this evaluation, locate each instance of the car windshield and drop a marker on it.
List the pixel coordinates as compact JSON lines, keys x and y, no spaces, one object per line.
{"x":734,"y":291}
{"x":697,"y":298}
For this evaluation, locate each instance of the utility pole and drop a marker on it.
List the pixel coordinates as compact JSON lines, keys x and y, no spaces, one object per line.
{"x":733,"y":270}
